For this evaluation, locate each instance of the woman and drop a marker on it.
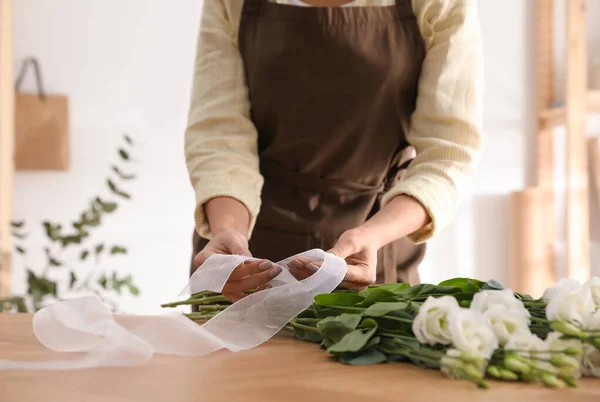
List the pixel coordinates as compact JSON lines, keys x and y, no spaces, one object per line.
{"x":310,"y":112}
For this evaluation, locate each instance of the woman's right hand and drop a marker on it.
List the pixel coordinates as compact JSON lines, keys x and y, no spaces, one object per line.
{"x":247,"y":276}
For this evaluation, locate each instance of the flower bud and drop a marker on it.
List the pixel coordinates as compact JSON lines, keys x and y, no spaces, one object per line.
{"x":514,"y":364}
{"x":551,"y":381}
{"x":595,"y":341}
{"x":494,"y":371}
{"x":561,"y":360}
{"x":468,"y":357}
{"x":566,"y":328}
{"x":508,"y":375}
{"x":473,"y":372}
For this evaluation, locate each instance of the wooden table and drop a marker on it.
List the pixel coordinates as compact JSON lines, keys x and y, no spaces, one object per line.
{"x":283,"y":369}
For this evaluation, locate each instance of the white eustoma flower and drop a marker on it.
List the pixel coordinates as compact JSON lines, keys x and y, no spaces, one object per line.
{"x":470,"y":333}
{"x":563,"y":286}
{"x":572,"y":307}
{"x":592,"y":285}
{"x":431,"y":323}
{"x":505,"y":299}
{"x":505,"y":322}
{"x":525,"y":343}
{"x":590,"y":364}
{"x":556,"y":342}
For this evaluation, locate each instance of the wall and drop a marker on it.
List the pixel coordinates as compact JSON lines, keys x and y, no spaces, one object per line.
{"x":127,"y":68}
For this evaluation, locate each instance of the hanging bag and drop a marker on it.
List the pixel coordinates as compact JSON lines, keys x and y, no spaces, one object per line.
{"x":41,"y":126}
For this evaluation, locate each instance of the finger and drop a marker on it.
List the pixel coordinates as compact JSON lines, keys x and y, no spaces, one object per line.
{"x":200,"y":258}
{"x":250,"y":268}
{"x":233,"y":297}
{"x":264,"y":287}
{"x":252,"y":281}
{"x":352,"y":285}
{"x":359,"y":274}
{"x":239,"y":249}
{"x":345,"y":248}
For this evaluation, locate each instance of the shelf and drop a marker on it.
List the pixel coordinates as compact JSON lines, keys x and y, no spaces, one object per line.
{"x":556,"y":116}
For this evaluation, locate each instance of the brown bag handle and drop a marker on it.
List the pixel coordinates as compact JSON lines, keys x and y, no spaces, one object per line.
{"x":38,"y":76}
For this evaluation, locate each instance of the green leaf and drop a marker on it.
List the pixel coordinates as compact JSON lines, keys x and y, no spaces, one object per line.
{"x":492,"y":285}
{"x":128,"y":139}
{"x":75,"y":239}
{"x":307,"y":336}
{"x":72,"y":279}
{"x":355,"y":341}
{"x":383,"y":308}
{"x":17,"y":224}
{"x":118,"y":250}
{"x":335,"y":328}
{"x":99,"y":248}
{"x":123,"y":154}
{"x":465,"y":284}
{"x":52,"y":231}
{"x":84,"y":255}
{"x":103,"y":281}
{"x":134,"y":290}
{"x":20,"y":249}
{"x":338,"y":299}
{"x":375,"y":295}
{"x":369,"y":356}
{"x":106,"y":206}
{"x":40,"y":287}
{"x":123,"y":176}
{"x":53,"y":262}
{"x":115,"y":190}
{"x":395,"y":288}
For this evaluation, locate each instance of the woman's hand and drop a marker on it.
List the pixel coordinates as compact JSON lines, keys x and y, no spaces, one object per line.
{"x":357,"y":248}
{"x":249,"y":275}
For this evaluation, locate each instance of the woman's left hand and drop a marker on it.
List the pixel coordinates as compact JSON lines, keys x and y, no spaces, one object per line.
{"x":359,"y":250}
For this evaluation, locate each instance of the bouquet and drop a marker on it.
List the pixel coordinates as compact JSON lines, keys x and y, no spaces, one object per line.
{"x":468,"y":329}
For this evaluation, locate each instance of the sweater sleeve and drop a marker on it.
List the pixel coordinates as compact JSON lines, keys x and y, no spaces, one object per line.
{"x":220,"y":140}
{"x":446,"y":125}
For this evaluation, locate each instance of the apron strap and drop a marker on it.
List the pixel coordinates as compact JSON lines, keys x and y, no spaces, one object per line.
{"x":252,"y":7}
{"x":405,"y":9}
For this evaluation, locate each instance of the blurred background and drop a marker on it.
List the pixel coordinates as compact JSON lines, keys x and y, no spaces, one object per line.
{"x":126,"y":69}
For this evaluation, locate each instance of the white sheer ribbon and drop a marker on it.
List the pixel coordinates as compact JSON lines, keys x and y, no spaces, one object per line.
{"x":86,"y":325}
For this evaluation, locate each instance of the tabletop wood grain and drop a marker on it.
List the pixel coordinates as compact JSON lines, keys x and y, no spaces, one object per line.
{"x":282,"y":369}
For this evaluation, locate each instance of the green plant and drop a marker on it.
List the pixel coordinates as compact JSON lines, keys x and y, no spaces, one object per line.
{"x":56,"y":277}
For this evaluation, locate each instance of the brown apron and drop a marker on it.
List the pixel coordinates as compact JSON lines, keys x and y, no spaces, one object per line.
{"x":332,"y":91}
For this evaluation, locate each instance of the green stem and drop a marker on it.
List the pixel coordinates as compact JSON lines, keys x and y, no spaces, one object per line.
{"x":295,"y":324}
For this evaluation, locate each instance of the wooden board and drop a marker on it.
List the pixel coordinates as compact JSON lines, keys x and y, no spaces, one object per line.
{"x":282,"y":370}
{"x":593,"y":146}
{"x":546,"y":93}
{"x":529,"y":254}
{"x":6,"y":144}
{"x":578,"y":234}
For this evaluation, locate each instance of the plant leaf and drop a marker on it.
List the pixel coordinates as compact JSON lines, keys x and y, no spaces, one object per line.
{"x":127,"y":139}
{"x":353,"y":342}
{"x":123,"y":176}
{"x":465,"y":284}
{"x":134,"y":290}
{"x":103,"y":281}
{"x":118,"y":250}
{"x":383,"y":308}
{"x":492,"y":285}
{"x":99,"y":248}
{"x":338,"y":299}
{"x":72,"y":279}
{"x":19,"y":235}
{"x":335,"y":328}
{"x":307,"y":336}
{"x":369,"y":356}
{"x":123,"y":154}
{"x":20,"y":249}
{"x":17,"y":224}
{"x":84,"y":255}
{"x":115,"y":190}
{"x":375,"y":295}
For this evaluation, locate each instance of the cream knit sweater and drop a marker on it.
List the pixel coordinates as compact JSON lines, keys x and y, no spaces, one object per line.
{"x":221,"y":141}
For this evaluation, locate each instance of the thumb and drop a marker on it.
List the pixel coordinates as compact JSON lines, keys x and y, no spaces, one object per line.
{"x":240,"y":249}
{"x":344,"y":248}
